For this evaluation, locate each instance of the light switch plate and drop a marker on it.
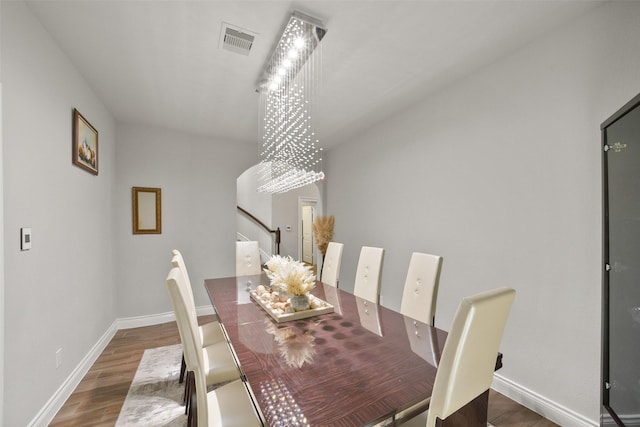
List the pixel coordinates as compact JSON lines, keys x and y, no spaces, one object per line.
{"x":25,"y":239}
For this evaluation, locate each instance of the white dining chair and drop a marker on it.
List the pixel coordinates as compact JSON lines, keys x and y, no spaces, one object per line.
{"x":248,"y":258}
{"x":469,"y":356}
{"x":369,"y":274}
{"x":331,"y":264}
{"x":228,"y":405}
{"x":421,"y":287}
{"x":218,"y":365}
{"x":210,"y":333}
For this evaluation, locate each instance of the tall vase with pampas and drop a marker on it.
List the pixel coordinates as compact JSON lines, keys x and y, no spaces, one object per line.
{"x":323,"y":233}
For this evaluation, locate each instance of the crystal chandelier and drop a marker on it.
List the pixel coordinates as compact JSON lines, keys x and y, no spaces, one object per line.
{"x":290,"y":155}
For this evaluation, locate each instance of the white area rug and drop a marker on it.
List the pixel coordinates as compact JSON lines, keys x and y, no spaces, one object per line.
{"x":155,"y":396}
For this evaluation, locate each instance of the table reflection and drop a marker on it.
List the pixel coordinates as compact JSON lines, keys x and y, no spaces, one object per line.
{"x":369,"y":314}
{"x":295,"y":346}
{"x":244,"y":284}
{"x":423,"y":340}
{"x":332,"y":296}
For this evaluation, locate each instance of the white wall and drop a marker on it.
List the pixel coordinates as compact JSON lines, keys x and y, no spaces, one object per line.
{"x":61,"y":293}
{"x":501,"y":175}
{"x":1,"y":247}
{"x":2,"y":301}
{"x":198,"y":181}
{"x":248,"y":197}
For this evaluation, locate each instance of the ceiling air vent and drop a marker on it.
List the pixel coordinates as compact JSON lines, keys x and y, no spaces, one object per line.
{"x":235,"y":39}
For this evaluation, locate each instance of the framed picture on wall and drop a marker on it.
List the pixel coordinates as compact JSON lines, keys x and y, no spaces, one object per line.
{"x":85,"y":144}
{"x":147,"y":210}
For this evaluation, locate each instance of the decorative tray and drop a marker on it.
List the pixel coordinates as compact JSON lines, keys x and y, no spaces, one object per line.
{"x":282,"y":311}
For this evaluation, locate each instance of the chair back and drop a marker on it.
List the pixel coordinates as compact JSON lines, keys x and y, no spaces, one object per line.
{"x":188,"y":329}
{"x":369,"y":274}
{"x":469,"y":356}
{"x":248,"y":258}
{"x":421,"y":287}
{"x":187,"y":324}
{"x":331,"y":264}
{"x":178,"y":261}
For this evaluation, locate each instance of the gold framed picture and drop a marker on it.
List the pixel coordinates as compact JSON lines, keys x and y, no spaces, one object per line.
{"x":147,"y":210}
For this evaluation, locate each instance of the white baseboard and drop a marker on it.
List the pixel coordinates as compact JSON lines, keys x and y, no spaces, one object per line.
{"x":551,"y":410}
{"x":156,"y":319}
{"x":140,"y":321}
{"x":51,"y":408}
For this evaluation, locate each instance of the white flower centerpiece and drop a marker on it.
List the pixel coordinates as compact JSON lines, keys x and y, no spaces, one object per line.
{"x":291,"y":279}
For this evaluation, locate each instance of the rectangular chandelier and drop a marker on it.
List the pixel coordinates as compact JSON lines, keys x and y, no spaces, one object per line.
{"x":290,"y":155}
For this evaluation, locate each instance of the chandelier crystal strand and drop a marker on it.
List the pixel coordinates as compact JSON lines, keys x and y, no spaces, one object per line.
{"x":290,"y":152}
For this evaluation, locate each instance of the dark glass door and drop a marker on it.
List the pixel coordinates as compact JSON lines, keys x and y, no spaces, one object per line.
{"x":621,"y":284}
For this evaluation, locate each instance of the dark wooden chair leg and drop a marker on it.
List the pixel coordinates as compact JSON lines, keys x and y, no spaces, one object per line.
{"x":189,"y":391}
{"x":183,"y":368}
{"x":191,"y":400}
{"x":188,"y":409}
{"x":186,"y":391}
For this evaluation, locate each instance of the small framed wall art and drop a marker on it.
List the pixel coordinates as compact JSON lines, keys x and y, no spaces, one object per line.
{"x":85,"y":144}
{"x":147,"y":210}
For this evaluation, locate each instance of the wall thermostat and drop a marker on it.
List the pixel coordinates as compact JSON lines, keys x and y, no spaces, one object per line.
{"x":25,"y":239}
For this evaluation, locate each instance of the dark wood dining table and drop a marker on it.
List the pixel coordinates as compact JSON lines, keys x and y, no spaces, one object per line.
{"x":359,"y":365}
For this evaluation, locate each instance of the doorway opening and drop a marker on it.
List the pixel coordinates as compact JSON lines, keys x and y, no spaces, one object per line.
{"x":307,"y":208}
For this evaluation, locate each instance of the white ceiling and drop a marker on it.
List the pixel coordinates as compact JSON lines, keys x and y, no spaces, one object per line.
{"x":159,"y":62}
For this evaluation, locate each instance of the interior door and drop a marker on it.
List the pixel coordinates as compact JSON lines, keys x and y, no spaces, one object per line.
{"x":621,"y":277}
{"x":308,"y":213}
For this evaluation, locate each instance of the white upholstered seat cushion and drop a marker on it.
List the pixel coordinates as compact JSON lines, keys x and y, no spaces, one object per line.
{"x":230,"y":406}
{"x":219,"y":364}
{"x":211,"y":333}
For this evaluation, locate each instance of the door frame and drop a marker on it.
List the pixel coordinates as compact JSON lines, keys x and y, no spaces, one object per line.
{"x":307,"y":201}
{"x":604,"y":390}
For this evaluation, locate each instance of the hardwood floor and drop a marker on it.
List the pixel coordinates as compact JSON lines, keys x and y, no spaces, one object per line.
{"x":99,"y":396}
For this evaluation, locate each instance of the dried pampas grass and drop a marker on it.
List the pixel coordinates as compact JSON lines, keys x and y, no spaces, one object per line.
{"x":295,"y":276}
{"x":323,"y":232}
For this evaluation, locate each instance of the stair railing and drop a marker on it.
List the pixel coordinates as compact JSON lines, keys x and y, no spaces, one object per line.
{"x":276,"y":232}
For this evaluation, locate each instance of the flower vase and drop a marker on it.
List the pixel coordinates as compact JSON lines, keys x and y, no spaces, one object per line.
{"x":281,"y":290}
{"x":300,"y":302}
{"x":283,"y":294}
